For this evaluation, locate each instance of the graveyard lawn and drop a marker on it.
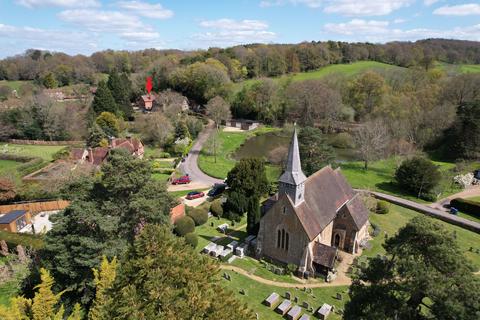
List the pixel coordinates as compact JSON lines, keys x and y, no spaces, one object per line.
{"x":257,"y":292}
{"x":398,"y":217}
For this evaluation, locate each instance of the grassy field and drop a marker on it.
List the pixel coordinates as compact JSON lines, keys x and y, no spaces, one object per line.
{"x":44,"y":152}
{"x":347,"y":70}
{"x":458,"y":68}
{"x":228,"y":142}
{"x":8,"y":167}
{"x":15,"y":85}
{"x":380,"y":177}
{"x":398,"y":217}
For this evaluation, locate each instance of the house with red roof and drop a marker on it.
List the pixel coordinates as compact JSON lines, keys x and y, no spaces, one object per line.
{"x":96,"y":156}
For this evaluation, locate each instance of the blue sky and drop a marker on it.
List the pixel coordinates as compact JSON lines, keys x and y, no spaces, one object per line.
{"x":86,"y":26}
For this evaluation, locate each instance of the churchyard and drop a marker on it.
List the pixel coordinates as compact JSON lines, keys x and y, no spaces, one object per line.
{"x":253,"y":292}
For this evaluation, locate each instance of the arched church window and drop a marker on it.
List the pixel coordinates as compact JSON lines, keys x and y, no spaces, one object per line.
{"x":337,"y":240}
{"x":283,"y":238}
{"x":279,"y":235}
{"x":286,"y":242}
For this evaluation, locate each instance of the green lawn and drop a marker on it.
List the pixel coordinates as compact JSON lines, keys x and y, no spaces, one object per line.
{"x":458,"y":68}
{"x":257,"y":292}
{"x":15,"y":85}
{"x":348,"y":70}
{"x":380,"y":177}
{"x":228,"y":142}
{"x":8,"y":166}
{"x":44,"y":152}
{"x":160,"y":176}
{"x":398,"y":217}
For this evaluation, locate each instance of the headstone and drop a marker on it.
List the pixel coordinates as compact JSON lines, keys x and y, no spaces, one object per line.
{"x":310,"y":309}
{"x":3,"y":248}
{"x":339,"y":296}
{"x":242,"y":291}
{"x":306,"y":305}
{"x":295,"y":299}
{"x":288,"y":295}
{"x":257,"y":316}
{"x":21,"y":254}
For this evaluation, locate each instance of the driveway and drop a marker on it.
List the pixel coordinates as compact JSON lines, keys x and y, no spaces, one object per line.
{"x":190,"y":165}
{"x":469,"y":192}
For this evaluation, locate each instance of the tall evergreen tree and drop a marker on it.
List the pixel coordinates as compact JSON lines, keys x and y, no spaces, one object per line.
{"x":103,"y":100}
{"x":120,"y":87}
{"x":103,"y":279}
{"x":104,"y":216}
{"x":161,"y":277}
{"x":247,"y":182}
{"x":465,"y":132}
{"x":315,"y":152}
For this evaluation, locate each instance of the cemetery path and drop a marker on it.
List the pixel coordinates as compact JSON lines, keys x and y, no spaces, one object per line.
{"x":336,"y":283}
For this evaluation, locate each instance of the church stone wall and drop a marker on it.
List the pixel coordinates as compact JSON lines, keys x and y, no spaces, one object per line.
{"x":275,"y":220}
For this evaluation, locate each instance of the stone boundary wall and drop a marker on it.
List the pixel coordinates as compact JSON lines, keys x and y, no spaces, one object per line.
{"x":46,"y":143}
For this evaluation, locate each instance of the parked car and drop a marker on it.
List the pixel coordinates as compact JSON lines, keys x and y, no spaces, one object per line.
{"x":195,"y":195}
{"x":182,"y":180}
{"x":217,"y":189}
{"x":476,"y":174}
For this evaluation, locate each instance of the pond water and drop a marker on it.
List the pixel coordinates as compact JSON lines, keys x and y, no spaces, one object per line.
{"x":260,"y":146}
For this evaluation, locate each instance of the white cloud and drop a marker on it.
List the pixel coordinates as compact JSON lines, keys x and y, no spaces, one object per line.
{"x":459,"y":10}
{"x":358,"y":26}
{"x":59,"y":3}
{"x":140,"y":36}
{"x":231,"y":32}
{"x":230,"y":24}
{"x":381,"y":31}
{"x":102,"y":21}
{"x":429,"y":2}
{"x":399,"y":21}
{"x":365,"y":8}
{"x":145,"y":9}
{"x":276,"y":3}
{"x":17,"y":39}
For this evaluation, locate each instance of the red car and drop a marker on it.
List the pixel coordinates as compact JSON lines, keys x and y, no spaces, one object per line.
{"x":182,"y":180}
{"x":195,"y":195}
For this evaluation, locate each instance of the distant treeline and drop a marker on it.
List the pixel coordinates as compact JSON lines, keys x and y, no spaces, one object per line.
{"x":245,"y":61}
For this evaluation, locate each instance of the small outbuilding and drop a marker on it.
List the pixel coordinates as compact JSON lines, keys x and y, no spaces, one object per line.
{"x":223,"y":228}
{"x":271,"y":300}
{"x":284,"y":307}
{"x":294,"y":313}
{"x":15,"y":220}
{"x":324,"y":311}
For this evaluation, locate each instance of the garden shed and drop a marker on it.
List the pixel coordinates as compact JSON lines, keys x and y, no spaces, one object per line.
{"x":15,"y":220}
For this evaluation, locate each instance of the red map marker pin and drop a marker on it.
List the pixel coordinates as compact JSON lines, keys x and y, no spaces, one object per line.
{"x":149,"y":86}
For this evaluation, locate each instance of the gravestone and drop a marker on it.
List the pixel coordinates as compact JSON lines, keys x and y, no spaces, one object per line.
{"x":339,"y":296}
{"x":288,"y":295}
{"x":306,"y":305}
{"x":243,"y":292}
{"x":295,"y":299}
{"x":257,"y":316}
{"x":3,"y":248}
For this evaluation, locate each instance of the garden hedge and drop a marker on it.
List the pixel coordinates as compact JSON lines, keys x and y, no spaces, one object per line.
{"x":216,"y":208}
{"x":382,"y":207}
{"x":191,"y":239}
{"x":466,"y":206}
{"x":184,"y":225}
{"x":199,"y":216}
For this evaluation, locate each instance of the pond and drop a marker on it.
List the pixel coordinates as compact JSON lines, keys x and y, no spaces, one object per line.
{"x":260,"y":146}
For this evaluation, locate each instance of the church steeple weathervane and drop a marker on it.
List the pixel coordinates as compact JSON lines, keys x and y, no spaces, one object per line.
{"x":292,"y":181}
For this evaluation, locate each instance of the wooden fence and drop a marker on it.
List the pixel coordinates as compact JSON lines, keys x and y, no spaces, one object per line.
{"x":46,"y":143}
{"x":35,"y":207}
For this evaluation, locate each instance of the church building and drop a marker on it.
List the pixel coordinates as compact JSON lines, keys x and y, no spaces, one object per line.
{"x":310,"y":218}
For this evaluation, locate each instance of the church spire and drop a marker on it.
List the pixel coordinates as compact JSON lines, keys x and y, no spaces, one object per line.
{"x":293,"y":179}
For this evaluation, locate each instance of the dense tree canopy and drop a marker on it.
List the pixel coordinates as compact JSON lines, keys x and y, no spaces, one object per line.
{"x":418,"y":175}
{"x":161,"y":277}
{"x":424,"y":276}
{"x":104,"y":216}
{"x":315,"y":152}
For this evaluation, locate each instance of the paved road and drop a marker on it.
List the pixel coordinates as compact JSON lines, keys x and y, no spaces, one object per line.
{"x":190,"y":165}
{"x":469,"y":192}
{"x":439,"y":214}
